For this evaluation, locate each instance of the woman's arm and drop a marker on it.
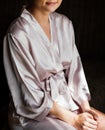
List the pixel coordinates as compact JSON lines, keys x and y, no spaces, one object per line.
{"x":85,"y":105}
{"x":62,"y":113}
{"x":24,"y":83}
{"x":87,"y":108}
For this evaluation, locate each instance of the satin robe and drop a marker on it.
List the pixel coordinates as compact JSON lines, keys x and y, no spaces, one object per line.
{"x":40,"y":70}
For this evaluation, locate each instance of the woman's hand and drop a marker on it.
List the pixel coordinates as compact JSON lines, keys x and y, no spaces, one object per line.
{"x":87,"y":108}
{"x":93,"y":113}
{"x":85,"y":121}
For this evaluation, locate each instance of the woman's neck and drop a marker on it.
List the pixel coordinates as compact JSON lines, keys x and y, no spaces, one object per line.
{"x":41,"y":17}
{"x":43,"y":20}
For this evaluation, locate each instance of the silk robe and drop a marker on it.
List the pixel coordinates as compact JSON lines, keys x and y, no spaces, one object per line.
{"x":40,"y":70}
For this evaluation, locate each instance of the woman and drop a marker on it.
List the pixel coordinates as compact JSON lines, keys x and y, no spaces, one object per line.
{"x":44,"y":72}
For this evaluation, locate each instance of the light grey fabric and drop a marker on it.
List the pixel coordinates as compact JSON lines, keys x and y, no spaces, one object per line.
{"x":47,"y":124}
{"x":40,"y":71}
{"x":50,"y":124}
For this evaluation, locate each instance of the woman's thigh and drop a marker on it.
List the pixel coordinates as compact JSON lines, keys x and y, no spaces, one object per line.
{"x":49,"y":124}
{"x":101,"y":120}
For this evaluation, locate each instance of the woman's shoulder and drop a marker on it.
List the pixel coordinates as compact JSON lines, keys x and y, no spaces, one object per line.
{"x":15,"y":26}
{"x":61,"y":21}
{"x":60,"y":17}
{"x":18,"y":27}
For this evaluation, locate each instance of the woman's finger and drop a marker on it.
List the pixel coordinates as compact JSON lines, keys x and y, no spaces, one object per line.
{"x":87,"y":128}
{"x":93,"y":113}
{"x":90,"y":125}
{"x":92,"y":121}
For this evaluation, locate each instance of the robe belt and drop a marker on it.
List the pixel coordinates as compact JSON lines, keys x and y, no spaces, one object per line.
{"x":56,"y":84}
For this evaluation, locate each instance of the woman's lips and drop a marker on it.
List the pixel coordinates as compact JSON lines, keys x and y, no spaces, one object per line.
{"x":51,"y":3}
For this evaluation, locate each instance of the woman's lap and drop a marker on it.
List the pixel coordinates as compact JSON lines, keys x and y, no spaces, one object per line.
{"x":50,"y":124}
{"x":47,"y":124}
{"x":101,"y":120}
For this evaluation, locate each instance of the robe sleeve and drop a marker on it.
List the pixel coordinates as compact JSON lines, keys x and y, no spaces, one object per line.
{"x":29,"y":97}
{"x":76,"y":77}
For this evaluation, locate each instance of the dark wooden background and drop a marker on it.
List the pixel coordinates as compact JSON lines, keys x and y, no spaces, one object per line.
{"x":88,"y":17}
